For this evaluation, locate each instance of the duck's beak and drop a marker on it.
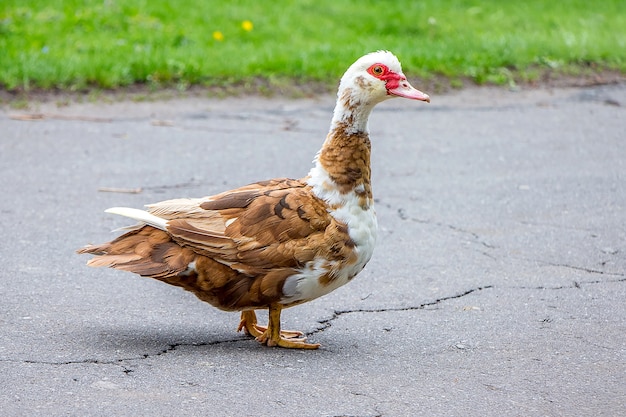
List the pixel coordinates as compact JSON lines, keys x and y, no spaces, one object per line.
{"x":406,"y":90}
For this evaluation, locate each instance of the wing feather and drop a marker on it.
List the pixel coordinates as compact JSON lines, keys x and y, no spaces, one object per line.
{"x":254,"y":229}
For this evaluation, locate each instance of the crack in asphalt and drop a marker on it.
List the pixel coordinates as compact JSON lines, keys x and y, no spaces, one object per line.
{"x":191,"y":183}
{"x":580,"y":268}
{"x":478,"y":239}
{"x":325,"y":324}
{"x":475,"y":236}
{"x":338,"y":313}
{"x":119,"y":362}
{"x":574,"y":284}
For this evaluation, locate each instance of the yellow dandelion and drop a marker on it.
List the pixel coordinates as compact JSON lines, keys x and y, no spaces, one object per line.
{"x":247,"y":25}
{"x":218,"y":36}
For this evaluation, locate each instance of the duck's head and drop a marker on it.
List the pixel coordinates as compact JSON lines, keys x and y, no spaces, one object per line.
{"x":376,"y":77}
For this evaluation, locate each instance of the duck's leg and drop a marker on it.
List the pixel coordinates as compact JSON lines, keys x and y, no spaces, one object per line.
{"x":272,"y":336}
{"x":250,"y":327}
{"x":249,"y":324}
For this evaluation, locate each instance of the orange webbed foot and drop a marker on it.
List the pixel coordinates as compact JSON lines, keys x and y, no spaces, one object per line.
{"x":272,"y":335}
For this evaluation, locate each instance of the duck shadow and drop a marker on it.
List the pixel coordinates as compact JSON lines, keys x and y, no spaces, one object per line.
{"x":125,"y":343}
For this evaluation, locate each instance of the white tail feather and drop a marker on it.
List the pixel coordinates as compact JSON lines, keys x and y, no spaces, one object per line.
{"x":139,"y":215}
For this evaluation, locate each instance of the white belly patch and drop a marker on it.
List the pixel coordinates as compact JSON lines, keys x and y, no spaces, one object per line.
{"x":362,"y":228}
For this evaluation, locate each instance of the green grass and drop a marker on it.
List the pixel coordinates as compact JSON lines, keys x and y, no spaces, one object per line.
{"x":77,"y":44}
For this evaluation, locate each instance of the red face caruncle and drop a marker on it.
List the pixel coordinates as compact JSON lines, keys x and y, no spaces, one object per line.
{"x":396,"y":84}
{"x":382,"y":72}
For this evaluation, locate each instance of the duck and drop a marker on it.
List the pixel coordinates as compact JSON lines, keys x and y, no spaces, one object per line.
{"x":278,"y":243}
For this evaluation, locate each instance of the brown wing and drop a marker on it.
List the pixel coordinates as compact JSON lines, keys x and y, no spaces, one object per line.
{"x":252,"y":239}
{"x":253,"y":229}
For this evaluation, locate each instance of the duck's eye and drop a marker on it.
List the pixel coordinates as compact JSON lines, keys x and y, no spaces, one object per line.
{"x":377,"y":70}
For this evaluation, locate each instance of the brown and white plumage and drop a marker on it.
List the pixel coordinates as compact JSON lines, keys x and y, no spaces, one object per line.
{"x":278,"y":243}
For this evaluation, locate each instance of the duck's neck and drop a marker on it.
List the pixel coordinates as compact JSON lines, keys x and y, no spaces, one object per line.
{"x":351,"y":112}
{"x":342,"y":166}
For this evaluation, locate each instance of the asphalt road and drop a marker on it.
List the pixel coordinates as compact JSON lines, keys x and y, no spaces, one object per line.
{"x":498,"y":286}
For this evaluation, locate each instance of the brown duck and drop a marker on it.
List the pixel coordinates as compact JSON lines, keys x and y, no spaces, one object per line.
{"x":277,"y":243}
